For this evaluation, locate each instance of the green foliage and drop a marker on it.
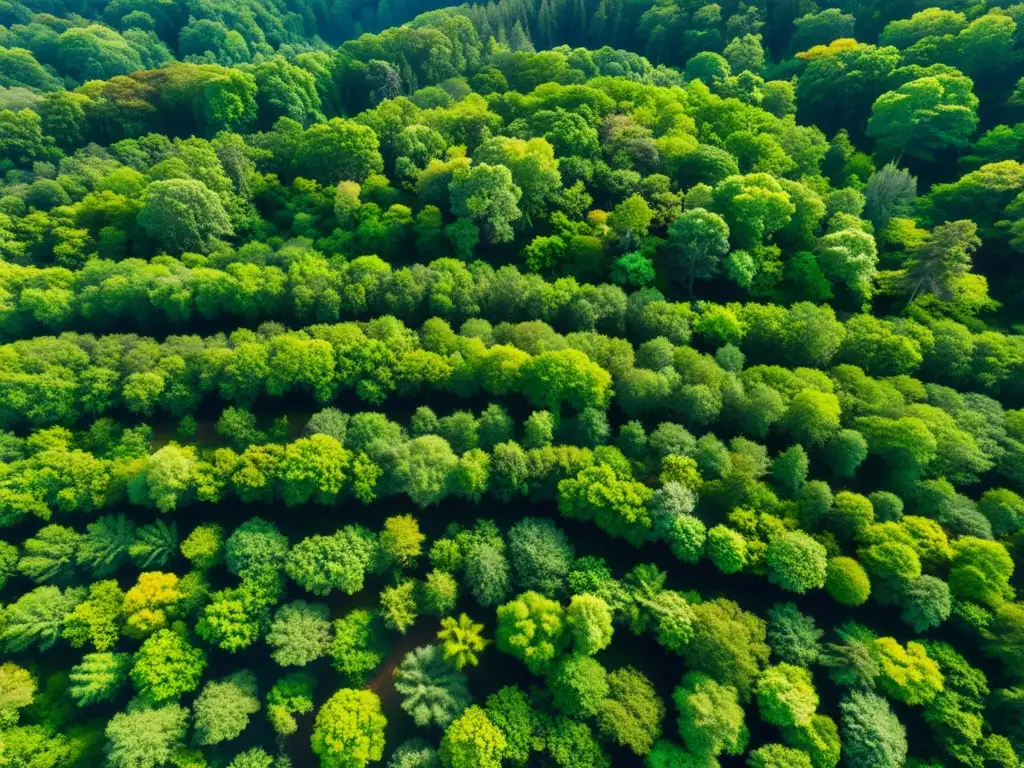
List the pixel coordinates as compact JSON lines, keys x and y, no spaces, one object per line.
{"x":36,"y":619}
{"x":401,"y":540}
{"x":589,"y":620}
{"x":793,"y":636}
{"x":872,"y":735}
{"x":319,"y":564}
{"x":578,"y":684}
{"x":166,"y":666}
{"x":454,"y":214}
{"x":847,"y":581}
{"x":98,"y":677}
{"x":571,"y":743}
{"x":204,"y":545}
{"x":291,"y":695}
{"x":511,"y":712}
{"x":728,"y":644}
{"x":433,"y":691}
{"x":631,"y":715}
{"x":19,"y":687}
{"x":300,"y":633}
{"x":472,"y":740}
{"x":222,"y":709}
{"x":462,"y":640}
{"x":398,"y":605}
{"x":184,"y":215}
{"x":359,"y":645}
{"x":786,"y":696}
{"x":145,"y":738}
{"x":796,"y":562}
{"x":349,"y":729}
{"x":778,"y":756}
{"x":532,"y":628}
{"x":710,"y":716}
{"x":540,"y":555}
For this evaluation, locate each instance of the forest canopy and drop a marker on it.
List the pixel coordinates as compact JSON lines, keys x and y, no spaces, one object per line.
{"x":566,"y":383}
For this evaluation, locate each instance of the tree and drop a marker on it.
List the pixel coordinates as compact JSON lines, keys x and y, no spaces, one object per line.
{"x":540,"y":555}
{"x":578,"y":685}
{"x":252,"y":758}
{"x":256,"y":550}
{"x":433,"y":691}
{"x":415,"y":753}
{"x":487,"y":194}
{"x":925,"y":115}
{"x":589,"y":620}
{"x":786,"y":696}
{"x":794,"y":638}
{"x":819,"y":738}
{"x":754,"y":206}
{"x":532,"y":164}
{"x":291,"y":695}
{"x":812,"y":417}
{"x":941,"y":260}
{"x":571,"y":743}
{"x":338,"y":150}
{"x":422,"y":467}
{"x":398,"y":605}
{"x":223,"y":707}
{"x":300,"y":633}
{"x":50,"y":554}
{"x":511,"y":712}
{"x":710,"y":716}
{"x":154,"y":545}
{"x":462,"y":641}
{"x":204,"y":546}
{"x":889,"y":193}
{"x":532,"y":629}
{"x":906,"y":674}
{"x":789,"y":469}
{"x":145,"y":738}
{"x":565,"y":376}
{"x":98,"y":677}
{"x":167,"y":665}
{"x":847,"y":581}
{"x":857,"y":70}
{"x":980,"y":571}
{"x":745,"y":54}
{"x":698,"y":241}
{"x":727,"y":549}
{"x":487,"y":571}
{"x":340,"y":561}
{"x":472,"y":741}
{"x":631,"y":715}
{"x":17,"y":690}
{"x":98,"y":619}
{"x":630,"y":221}
{"x":796,"y":562}
{"x":925,"y":603}
{"x":104,"y":547}
{"x":236,"y":618}
{"x":728,"y":644}
{"x":36,"y":618}
{"x":778,"y":756}
{"x":401,"y":540}
{"x":612,"y":499}
{"x":359,"y":645}
{"x":184,"y":215}
{"x":439,"y":593}
{"x":672,"y":619}
{"x":873,"y":737}
{"x":349,"y":730}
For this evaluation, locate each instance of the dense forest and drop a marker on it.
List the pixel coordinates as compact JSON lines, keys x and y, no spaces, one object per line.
{"x":562,"y":383}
